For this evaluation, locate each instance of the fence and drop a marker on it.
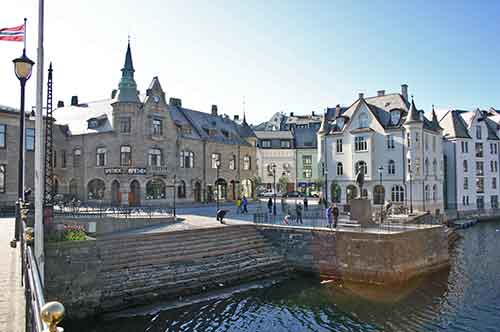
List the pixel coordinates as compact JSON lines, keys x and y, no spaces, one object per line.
{"x":97,"y":212}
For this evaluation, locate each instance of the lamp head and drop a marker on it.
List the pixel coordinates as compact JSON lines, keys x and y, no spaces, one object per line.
{"x":23,"y":67}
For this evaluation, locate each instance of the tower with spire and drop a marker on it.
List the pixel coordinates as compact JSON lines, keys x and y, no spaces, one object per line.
{"x":127,"y":87}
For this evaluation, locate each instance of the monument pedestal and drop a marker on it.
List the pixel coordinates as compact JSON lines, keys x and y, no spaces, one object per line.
{"x":361,"y":211}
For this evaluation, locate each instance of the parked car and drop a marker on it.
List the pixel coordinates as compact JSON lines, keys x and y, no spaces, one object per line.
{"x":267,"y":194}
{"x":292,"y":194}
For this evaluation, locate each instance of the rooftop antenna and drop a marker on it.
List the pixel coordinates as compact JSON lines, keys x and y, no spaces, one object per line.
{"x":244,"y":104}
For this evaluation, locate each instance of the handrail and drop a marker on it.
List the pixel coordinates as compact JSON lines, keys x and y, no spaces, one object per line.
{"x":37,"y":298}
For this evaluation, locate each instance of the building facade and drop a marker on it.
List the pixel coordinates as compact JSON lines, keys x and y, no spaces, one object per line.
{"x":397,"y":148}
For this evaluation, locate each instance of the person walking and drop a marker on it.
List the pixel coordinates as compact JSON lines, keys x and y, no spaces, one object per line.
{"x":298,"y":209}
{"x":270,"y":205}
{"x":329,"y":216}
{"x":245,"y":205}
{"x":238,"y":205}
{"x":335,"y":212}
{"x":306,"y":203}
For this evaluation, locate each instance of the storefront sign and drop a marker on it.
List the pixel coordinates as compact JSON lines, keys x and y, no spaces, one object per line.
{"x":114,"y":170}
{"x":129,"y":171}
{"x":136,"y":171}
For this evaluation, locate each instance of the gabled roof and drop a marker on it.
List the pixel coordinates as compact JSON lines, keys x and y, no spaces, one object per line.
{"x":76,"y":117}
{"x":413,"y":114}
{"x":454,"y":125}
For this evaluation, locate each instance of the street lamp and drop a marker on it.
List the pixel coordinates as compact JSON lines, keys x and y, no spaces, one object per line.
{"x":22,"y":69}
{"x":411,"y":192}
{"x":273,"y":168}
{"x":326,"y":186}
{"x":175,"y":193}
{"x":380,"y":172}
{"x":217,"y":165}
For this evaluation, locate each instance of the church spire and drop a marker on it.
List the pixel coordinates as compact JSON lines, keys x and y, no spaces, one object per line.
{"x":413,"y":115}
{"x":127,"y":88}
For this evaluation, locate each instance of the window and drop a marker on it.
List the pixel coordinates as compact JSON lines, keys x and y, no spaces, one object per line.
{"x":54,"y":159}
{"x":30,"y":139}
{"x":95,"y":189}
{"x":390,"y":142}
{"x":408,"y":140}
{"x":63,"y":159}
{"x":77,"y":157}
{"x":125,"y":155}
{"x":307,"y":173}
{"x":3,"y":137}
{"x":339,"y":145}
{"x":433,"y":143}
{"x":307,"y":166}
{"x":467,"y":199}
{"x":266,"y":143}
{"x":465,"y":147}
{"x":479,"y":168}
{"x":363,"y":120}
{"x":125,"y":125}
{"x":494,"y":183}
{"x":494,"y":201}
{"x":232,"y":162}
{"x":285,"y":144}
{"x":215,"y":158}
{"x":378,"y":195}
{"x":478,"y":132}
{"x":395,"y":116}
{"x":101,"y":157}
{"x":361,"y":166}
{"x":427,"y":192}
{"x":492,"y":166}
{"x":186,"y":159}
{"x":2,"y":178}
{"x":480,"y":185}
{"x":496,"y":166}
{"x":360,"y":143}
{"x":397,"y":193}
{"x":155,"y":189}
{"x":181,"y":189}
{"x":434,"y":193}
{"x":391,"y":167}
{"x":426,"y":164}
{"x":408,"y":162}
{"x":155,"y":157}
{"x":466,"y":166}
{"x":479,"y":150}
{"x":426,"y":141}
{"x":434,"y":167}
{"x":466,"y":183}
{"x":247,"y":163}
{"x":157,"y":127}
{"x":340,"y":169}
{"x":480,"y":202}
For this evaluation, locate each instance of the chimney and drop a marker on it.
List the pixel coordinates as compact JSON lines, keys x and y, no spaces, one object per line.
{"x":380,"y":93}
{"x":361,"y":95}
{"x":113,"y":93}
{"x":291,"y":114}
{"x":177,"y":102}
{"x":236,"y":117}
{"x":313,"y":113}
{"x":214,"y":110}
{"x":74,"y":101}
{"x":404,"y":91}
{"x":337,"y":111}
{"x":60,"y":103}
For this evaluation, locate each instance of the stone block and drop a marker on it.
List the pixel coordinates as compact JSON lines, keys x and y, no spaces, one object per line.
{"x":361,"y":211}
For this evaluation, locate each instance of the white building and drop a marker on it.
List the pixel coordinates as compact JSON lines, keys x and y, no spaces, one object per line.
{"x":472,"y":158}
{"x":384,"y":133}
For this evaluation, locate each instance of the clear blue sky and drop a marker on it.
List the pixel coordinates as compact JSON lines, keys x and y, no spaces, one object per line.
{"x":281,"y":55}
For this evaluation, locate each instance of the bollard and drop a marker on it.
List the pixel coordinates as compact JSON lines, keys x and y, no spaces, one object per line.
{"x":52,"y":314}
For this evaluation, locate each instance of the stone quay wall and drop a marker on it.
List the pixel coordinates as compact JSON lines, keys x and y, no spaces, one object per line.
{"x":366,"y":257}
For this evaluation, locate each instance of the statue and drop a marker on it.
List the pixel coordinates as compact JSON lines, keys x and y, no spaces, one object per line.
{"x":360,"y":180}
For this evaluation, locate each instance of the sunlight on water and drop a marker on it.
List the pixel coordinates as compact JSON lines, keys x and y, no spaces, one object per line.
{"x":464,"y":298}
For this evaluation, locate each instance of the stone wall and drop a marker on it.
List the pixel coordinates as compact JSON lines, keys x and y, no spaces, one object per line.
{"x":362,"y":256}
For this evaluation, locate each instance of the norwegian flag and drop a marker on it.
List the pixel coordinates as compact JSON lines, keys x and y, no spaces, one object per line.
{"x":13,"y":34}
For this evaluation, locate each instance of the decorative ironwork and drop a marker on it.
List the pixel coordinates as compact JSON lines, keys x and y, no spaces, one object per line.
{"x":48,"y":199}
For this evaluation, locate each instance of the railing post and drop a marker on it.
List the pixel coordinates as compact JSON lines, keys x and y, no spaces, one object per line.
{"x":52,"y":314}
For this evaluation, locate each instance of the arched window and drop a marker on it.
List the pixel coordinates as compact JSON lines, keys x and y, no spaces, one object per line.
{"x":155,"y":157}
{"x":397,"y":193}
{"x":247,"y":165}
{"x":395,"y":116}
{"x":427,"y":193}
{"x":378,"y":195}
{"x":466,"y":166}
{"x":363,"y":120}
{"x":186,"y":159}
{"x":95,"y":189}
{"x":101,"y":157}
{"x":125,"y":155}
{"x":181,"y":189}
{"x":77,"y":157}
{"x":73,"y":188}
{"x":361,"y":166}
{"x":55,"y":187}
{"x":391,"y":167}
{"x":155,"y":189}
{"x":434,"y":192}
{"x":232,"y":162}
{"x":434,"y":167}
{"x":426,"y":166}
{"x":340,"y":169}
{"x":336,"y":193}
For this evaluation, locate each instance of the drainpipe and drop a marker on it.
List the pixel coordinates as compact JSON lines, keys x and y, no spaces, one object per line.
{"x":204,"y":195}
{"x":404,"y":167}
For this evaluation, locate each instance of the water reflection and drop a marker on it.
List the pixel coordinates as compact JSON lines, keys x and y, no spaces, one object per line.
{"x":464,"y":298}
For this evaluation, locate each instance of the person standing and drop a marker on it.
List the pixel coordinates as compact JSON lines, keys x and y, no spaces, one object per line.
{"x":270,"y":205}
{"x":335,"y":212}
{"x":306,"y":203}
{"x":238,"y":205}
{"x":299,"y":214}
{"x":245,"y":205}
{"x":329,"y":216}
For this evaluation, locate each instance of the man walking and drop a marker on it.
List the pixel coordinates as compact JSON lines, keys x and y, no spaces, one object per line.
{"x":298,"y":209}
{"x":306,"y":203}
{"x":335,"y":215}
{"x":245,"y":205}
{"x":270,"y":205}
{"x":238,"y":205}
{"x":329,"y":216}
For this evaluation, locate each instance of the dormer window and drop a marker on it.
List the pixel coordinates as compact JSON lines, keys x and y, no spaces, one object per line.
{"x":395,"y":117}
{"x":340,"y":122}
{"x":363,"y":120}
{"x":93,"y":123}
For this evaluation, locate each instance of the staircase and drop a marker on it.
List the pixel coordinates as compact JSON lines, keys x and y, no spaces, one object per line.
{"x":144,"y":268}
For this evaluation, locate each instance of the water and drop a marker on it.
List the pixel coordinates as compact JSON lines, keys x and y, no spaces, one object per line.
{"x":464,"y":298}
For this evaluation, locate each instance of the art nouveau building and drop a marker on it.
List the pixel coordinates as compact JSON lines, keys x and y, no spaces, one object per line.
{"x":471,"y":158}
{"x":394,"y":144}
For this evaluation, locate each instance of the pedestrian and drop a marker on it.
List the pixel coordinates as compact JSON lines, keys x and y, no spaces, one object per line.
{"x":245,"y":205}
{"x":306,"y":203}
{"x":298,"y":209}
{"x":335,"y":212}
{"x":238,"y":205}
{"x":270,"y":205}
{"x":329,"y":216}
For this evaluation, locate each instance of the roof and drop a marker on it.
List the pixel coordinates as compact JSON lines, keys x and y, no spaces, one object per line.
{"x":413,"y":114}
{"x":454,"y":126}
{"x":278,"y":134}
{"x":4,"y":108}
{"x":77,"y":117}
{"x":305,"y":138}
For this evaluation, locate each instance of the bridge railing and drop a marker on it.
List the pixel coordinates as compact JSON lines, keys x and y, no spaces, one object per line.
{"x":97,"y":212}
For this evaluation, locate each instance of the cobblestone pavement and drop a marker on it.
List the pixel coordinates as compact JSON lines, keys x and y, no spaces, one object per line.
{"x":12,"y":293}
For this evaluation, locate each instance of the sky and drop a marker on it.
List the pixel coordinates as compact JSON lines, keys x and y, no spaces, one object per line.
{"x":291,"y":56}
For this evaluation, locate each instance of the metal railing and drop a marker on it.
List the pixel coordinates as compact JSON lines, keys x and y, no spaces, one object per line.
{"x":112,"y":212}
{"x":40,"y":316}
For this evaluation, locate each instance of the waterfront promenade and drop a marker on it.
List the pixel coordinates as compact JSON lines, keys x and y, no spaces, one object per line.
{"x":12,"y":306}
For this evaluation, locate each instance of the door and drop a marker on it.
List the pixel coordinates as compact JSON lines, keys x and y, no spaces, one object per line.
{"x":116,"y":195}
{"x":134,"y":196}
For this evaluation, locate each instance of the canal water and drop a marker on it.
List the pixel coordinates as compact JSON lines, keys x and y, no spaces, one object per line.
{"x":464,"y":298}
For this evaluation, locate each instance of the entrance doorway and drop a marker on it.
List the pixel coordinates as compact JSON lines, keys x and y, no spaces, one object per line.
{"x":116,"y":195}
{"x":197,"y":192}
{"x":134,"y":196}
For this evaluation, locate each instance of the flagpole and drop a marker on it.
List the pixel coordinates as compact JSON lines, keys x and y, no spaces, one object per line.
{"x":25,"y":21}
{"x":39,"y":149}
{"x":24,"y":133}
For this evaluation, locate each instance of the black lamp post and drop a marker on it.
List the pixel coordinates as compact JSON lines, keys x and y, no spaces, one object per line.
{"x":380,"y":172}
{"x":273,"y":168}
{"x":411,"y":192}
{"x":326,"y":186}
{"x":175,"y":193}
{"x":217,"y":185}
{"x":22,"y":69}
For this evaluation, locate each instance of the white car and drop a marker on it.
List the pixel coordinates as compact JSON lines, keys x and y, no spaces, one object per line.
{"x":266,"y":194}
